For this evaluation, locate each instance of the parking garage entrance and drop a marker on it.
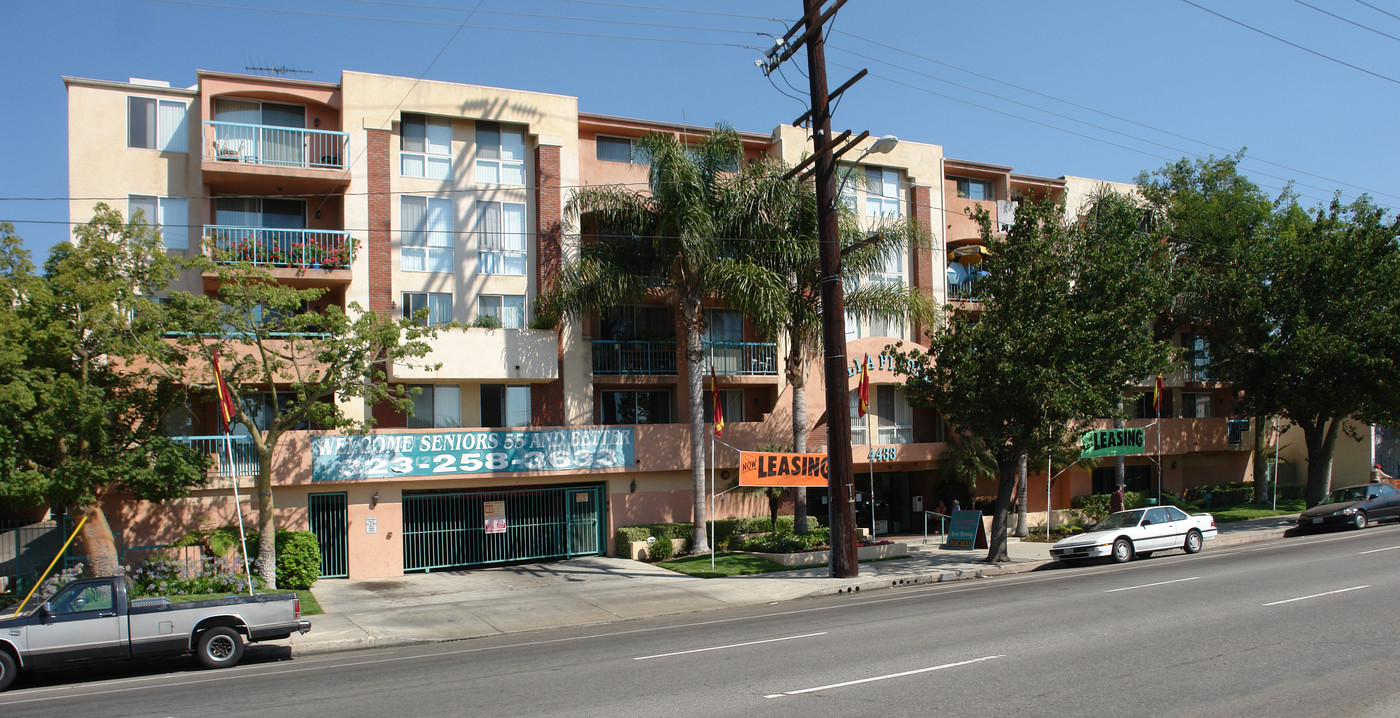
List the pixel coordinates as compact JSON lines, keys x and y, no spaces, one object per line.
{"x":462,"y":528}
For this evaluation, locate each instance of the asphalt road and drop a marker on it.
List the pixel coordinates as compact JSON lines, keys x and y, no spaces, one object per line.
{"x":1298,"y":627}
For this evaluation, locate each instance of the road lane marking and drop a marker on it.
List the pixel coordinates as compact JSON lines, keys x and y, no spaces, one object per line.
{"x":1378,"y":550}
{"x":732,"y":645}
{"x":1316,"y":595}
{"x":1150,"y":585}
{"x":882,"y":678}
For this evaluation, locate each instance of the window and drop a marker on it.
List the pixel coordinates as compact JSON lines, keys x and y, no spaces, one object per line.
{"x":500,"y":154}
{"x":620,"y":149}
{"x":975,"y":189}
{"x":501,"y":234}
{"x":1196,"y":406}
{"x":1196,"y":356}
{"x":636,"y":407}
{"x":503,"y":405}
{"x":426,"y":147}
{"x":426,"y":225}
{"x":436,"y":407}
{"x":882,"y":192}
{"x":438,"y":304}
{"x":156,"y":124}
{"x":640,"y":323}
{"x":83,"y":598}
{"x":509,"y":308}
{"x":859,"y":428}
{"x":171,"y":215}
{"x":896,"y":418}
{"x":1142,"y":406}
{"x":731,"y":402}
{"x":890,"y":275}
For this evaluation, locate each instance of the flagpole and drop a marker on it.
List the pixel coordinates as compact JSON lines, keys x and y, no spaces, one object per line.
{"x":238,"y":508}
{"x":713,"y":524}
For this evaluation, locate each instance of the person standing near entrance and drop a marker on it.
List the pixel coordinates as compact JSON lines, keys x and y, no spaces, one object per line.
{"x":956,"y":507}
{"x":1115,"y":502}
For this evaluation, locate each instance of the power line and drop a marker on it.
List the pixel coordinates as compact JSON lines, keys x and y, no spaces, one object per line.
{"x":1379,"y":10}
{"x":1346,"y":20}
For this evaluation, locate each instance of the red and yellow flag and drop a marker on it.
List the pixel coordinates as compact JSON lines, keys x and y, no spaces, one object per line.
{"x":719,"y":410}
{"x":227,"y":409}
{"x":863,"y":393}
{"x":1157,"y":391}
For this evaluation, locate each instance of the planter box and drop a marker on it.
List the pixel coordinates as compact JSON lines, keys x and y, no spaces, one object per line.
{"x":812,"y":558}
{"x":637,"y":550}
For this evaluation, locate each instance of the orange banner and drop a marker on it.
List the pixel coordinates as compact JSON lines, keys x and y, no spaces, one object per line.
{"x":758,"y":468}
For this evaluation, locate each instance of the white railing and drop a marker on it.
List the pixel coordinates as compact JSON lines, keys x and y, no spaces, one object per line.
{"x":328,"y":249}
{"x":277,"y":146}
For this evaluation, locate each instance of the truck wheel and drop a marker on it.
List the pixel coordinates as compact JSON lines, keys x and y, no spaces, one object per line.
{"x":220,"y":647}
{"x":8,"y":670}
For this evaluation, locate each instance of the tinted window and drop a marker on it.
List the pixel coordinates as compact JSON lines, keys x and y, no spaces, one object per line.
{"x":1175,"y":514}
{"x":1157,"y":516}
{"x":1388,"y":491}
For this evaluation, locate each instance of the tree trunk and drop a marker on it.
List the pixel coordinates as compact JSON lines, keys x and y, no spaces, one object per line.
{"x":797,"y":377}
{"x":1119,"y":469}
{"x":1022,"y":526}
{"x":1006,"y":485}
{"x":97,"y":542}
{"x":692,"y":311}
{"x":267,"y":524}
{"x":1261,"y":462}
{"x":1320,"y":442}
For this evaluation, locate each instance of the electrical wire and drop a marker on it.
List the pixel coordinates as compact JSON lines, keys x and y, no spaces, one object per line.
{"x":1346,"y":20}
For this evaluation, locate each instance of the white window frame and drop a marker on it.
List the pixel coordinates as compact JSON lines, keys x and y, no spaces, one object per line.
{"x":882,"y":191}
{"x":438,"y":304}
{"x":860,"y":429}
{"x":508,"y":308}
{"x":515,"y":400}
{"x":172,"y":217}
{"x":443,"y":403}
{"x":499,"y":250}
{"x":426,"y":246}
{"x":635,"y":156}
{"x":168,"y":127}
{"x":428,"y":156}
{"x":500,"y":160}
{"x":895,"y":416}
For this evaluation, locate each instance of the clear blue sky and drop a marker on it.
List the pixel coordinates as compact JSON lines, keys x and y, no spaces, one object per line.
{"x":1096,"y":89}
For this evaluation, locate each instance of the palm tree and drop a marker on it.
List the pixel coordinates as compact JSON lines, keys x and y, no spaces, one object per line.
{"x":682,"y":242}
{"x":791,"y":258}
{"x":968,"y":459}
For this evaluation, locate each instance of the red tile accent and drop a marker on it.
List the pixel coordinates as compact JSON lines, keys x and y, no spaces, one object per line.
{"x":379,"y":249}
{"x":547,"y":400}
{"x":925,"y":268}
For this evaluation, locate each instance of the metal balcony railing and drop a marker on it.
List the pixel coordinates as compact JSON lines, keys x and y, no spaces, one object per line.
{"x":623,"y":356}
{"x":280,"y":247}
{"x":754,"y":358}
{"x":276,"y":146}
{"x":218,"y":448}
{"x":964,"y":291}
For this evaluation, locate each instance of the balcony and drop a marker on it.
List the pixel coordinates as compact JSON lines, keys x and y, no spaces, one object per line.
{"x":297,"y":250}
{"x":741,"y":358}
{"x":624,"y":356}
{"x":260,"y":158}
{"x":476,"y":353}
{"x":232,"y":456}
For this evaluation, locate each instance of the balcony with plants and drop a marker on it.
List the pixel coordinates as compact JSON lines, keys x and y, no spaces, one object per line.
{"x":314,"y":254}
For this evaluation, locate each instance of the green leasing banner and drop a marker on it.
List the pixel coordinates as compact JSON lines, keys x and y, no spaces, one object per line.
{"x":1111,"y":442}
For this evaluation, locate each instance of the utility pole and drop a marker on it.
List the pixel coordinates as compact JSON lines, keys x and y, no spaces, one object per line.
{"x":826,"y":149}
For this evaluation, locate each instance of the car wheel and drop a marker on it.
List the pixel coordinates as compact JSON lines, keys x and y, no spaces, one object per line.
{"x":8,"y":670}
{"x":1122,"y":550}
{"x":220,"y":647}
{"x":1359,"y":519}
{"x":1193,"y":541}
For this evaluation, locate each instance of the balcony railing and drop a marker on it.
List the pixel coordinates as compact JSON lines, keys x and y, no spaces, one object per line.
{"x":895,"y":434}
{"x":741,"y":357}
{"x":218,"y":448}
{"x":613,"y":356}
{"x":280,"y":247}
{"x":964,"y":291}
{"x":275,"y":146}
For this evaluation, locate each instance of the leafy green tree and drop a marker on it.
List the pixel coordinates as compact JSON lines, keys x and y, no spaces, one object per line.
{"x":1064,"y":328}
{"x":682,"y":241}
{"x":80,"y":412}
{"x":309,"y":355}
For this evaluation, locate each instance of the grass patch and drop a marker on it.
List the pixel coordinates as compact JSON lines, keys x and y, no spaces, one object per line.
{"x":1241,"y":512}
{"x":726,"y":564}
{"x":309,"y":605}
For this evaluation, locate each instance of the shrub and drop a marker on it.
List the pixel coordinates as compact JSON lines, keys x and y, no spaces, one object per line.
{"x":659,"y":550}
{"x":1292,"y":492}
{"x":487,"y":321}
{"x":298,"y":558}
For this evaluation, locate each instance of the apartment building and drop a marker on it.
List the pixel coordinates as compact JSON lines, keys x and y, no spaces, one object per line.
{"x":530,"y":443}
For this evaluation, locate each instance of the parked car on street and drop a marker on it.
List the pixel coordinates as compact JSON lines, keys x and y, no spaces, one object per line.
{"x":1355,"y":506}
{"x":1138,"y":532}
{"x":95,"y":620}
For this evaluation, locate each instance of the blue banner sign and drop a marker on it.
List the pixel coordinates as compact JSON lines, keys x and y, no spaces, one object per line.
{"x":376,"y":456}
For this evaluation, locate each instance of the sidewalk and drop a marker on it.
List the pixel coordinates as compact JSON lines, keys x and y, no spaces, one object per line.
{"x":454,"y":605}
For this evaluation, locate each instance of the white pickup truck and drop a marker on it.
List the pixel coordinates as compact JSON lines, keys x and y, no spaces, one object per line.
{"x":94,"y":620}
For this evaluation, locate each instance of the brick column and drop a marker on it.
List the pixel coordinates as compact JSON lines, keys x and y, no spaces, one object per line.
{"x":925,"y":267}
{"x":379,"y":250}
{"x":547,"y":400}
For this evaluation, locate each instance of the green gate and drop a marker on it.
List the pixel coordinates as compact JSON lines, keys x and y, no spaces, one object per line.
{"x":452,"y":529}
{"x":330,"y":523}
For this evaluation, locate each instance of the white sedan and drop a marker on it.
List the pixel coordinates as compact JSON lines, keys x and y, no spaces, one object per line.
{"x":1138,"y":532}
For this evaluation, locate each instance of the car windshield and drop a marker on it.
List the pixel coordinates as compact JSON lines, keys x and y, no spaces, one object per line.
{"x":1120,"y":520}
{"x":1350,"y":493}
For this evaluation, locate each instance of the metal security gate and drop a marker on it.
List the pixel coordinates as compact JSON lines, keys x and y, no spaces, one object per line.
{"x":452,"y":529}
{"x":330,"y":523}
